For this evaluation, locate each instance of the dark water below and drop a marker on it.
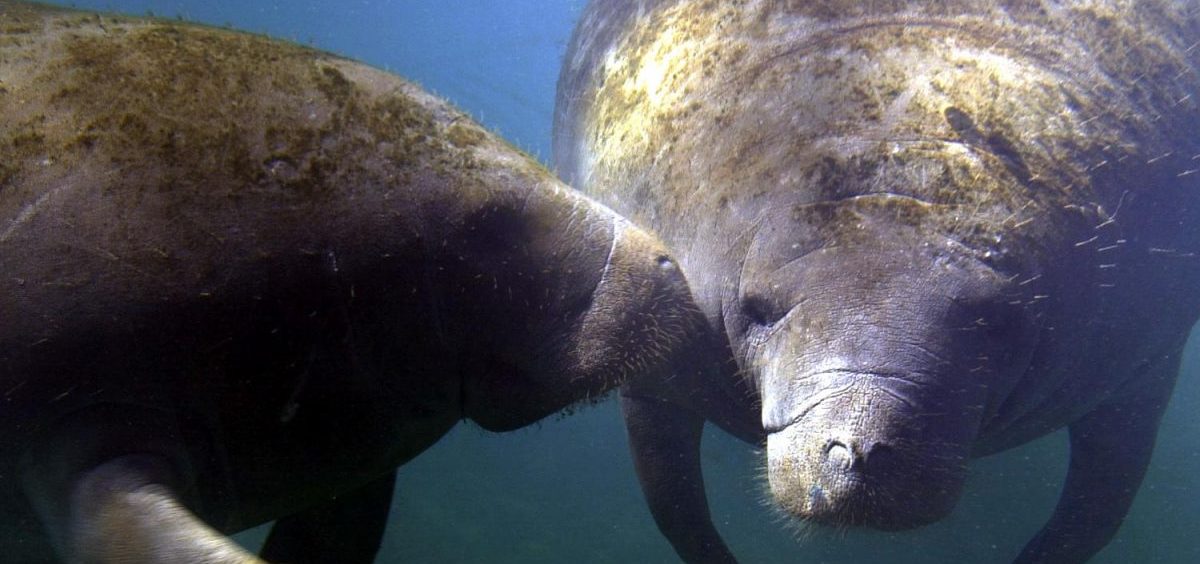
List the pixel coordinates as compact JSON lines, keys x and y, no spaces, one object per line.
{"x":564,"y":491}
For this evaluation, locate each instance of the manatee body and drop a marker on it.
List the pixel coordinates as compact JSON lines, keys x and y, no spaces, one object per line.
{"x":244,"y":280}
{"x":923,"y":231}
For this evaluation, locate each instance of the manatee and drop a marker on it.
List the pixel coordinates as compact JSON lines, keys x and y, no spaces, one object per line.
{"x":921,"y":232}
{"x":244,"y":280}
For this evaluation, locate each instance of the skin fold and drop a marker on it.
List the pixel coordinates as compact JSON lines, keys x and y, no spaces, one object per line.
{"x":244,"y":281}
{"x":920,"y":232}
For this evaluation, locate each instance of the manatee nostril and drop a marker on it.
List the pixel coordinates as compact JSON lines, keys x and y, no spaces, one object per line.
{"x":839,"y":454}
{"x":881,"y":459}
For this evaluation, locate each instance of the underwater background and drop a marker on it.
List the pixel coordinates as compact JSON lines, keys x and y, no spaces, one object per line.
{"x":565,"y":490}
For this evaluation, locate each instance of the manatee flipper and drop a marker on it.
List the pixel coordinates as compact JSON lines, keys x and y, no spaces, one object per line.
{"x":347,"y":529}
{"x":665,"y":441}
{"x":124,"y":511}
{"x":106,"y":484}
{"x":1110,"y":450}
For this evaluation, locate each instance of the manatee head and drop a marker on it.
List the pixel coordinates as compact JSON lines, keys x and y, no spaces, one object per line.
{"x":876,"y":342}
{"x":591,"y":302}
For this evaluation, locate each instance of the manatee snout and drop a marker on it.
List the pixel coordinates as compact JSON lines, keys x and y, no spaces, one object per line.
{"x":875,"y":378}
{"x":625,"y":311}
{"x":641,"y":311}
{"x":859,"y":457}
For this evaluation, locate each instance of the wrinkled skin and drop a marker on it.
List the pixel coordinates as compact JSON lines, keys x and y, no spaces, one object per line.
{"x":244,"y":280}
{"x":922,"y":233}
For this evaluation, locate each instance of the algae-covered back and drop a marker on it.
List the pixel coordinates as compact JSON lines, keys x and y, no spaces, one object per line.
{"x":218,"y":112}
{"x":1011,"y":120}
{"x":192,"y":133}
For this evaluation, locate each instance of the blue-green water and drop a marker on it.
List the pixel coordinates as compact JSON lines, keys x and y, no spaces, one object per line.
{"x":564,"y":491}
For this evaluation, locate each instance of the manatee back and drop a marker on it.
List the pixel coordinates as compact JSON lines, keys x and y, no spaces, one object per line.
{"x":1051,"y":141}
{"x":283,"y":259}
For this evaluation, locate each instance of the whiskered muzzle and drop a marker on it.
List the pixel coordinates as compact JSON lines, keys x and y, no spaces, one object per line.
{"x":853,"y":460}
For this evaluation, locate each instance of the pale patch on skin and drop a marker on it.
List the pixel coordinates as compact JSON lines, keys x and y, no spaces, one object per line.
{"x":655,"y":80}
{"x":619,"y":228}
{"x":26,"y":214}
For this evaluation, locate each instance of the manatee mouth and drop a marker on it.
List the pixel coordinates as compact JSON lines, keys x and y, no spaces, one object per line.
{"x":833,"y":476}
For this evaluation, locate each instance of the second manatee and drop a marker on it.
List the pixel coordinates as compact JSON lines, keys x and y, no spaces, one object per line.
{"x":923,"y":231}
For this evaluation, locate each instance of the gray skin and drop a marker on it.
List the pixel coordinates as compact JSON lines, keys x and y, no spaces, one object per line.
{"x":922,"y":233}
{"x":244,"y":280}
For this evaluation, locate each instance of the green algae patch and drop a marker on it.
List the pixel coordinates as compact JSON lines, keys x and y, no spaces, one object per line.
{"x":980,"y":110}
{"x":189,"y":121}
{"x":464,"y":136}
{"x":216,"y":111}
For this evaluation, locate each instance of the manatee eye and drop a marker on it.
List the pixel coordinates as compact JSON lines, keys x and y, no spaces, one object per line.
{"x":761,"y":309}
{"x":665,"y":263}
{"x":1002,"y":321}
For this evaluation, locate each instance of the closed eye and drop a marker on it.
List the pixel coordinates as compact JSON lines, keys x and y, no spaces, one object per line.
{"x":762,"y":310}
